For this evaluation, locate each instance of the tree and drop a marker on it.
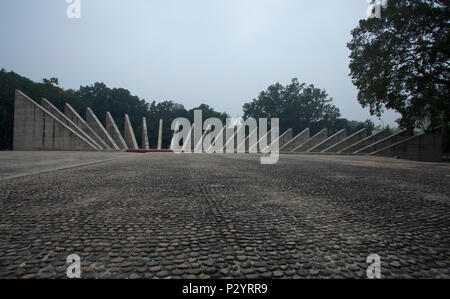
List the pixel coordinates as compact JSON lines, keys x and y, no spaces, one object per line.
{"x":51,"y":81}
{"x":298,"y":106}
{"x":401,"y":61}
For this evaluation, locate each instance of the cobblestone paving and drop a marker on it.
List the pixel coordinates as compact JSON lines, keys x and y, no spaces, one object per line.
{"x":227,"y":216}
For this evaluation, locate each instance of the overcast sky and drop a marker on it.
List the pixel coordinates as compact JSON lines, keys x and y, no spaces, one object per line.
{"x":218,"y":52}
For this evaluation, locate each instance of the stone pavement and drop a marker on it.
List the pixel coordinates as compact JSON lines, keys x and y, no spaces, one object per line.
{"x":163,"y":215}
{"x":14,"y":164}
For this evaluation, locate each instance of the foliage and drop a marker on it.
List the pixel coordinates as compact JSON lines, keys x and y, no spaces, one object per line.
{"x":301,"y":106}
{"x":401,"y":61}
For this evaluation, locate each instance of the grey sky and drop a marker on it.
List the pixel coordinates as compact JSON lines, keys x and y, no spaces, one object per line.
{"x":217,"y":52}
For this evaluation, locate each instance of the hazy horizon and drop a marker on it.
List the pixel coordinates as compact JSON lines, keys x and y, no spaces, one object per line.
{"x":221,"y":53}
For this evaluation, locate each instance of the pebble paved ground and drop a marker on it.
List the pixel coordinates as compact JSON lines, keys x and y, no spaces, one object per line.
{"x":226,"y":216}
{"x":14,"y":164}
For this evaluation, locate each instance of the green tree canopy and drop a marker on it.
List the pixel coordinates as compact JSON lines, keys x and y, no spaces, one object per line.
{"x":401,"y":62}
{"x":298,"y":106}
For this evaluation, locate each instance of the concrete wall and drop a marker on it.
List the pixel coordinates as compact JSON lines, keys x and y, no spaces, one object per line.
{"x":282,"y":140}
{"x":35,"y":128}
{"x":83,"y":125}
{"x":130,"y":139}
{"x":97,"y":126}
{"x":315,"y":140}
{"x":366,"y":142}
{"x":426,"y":147}
{"x":336,"y":138}
{"x":295,"y":142}
{"x":58,"y":114}
{"x":114,"y":132}
{"x":388,"y":141}
{"x":285,"y":138}
{"x":358,"y":136}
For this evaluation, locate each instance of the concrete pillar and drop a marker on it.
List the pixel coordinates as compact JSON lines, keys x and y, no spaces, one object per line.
{"x":338,"y":137}
{"x":358,"y":136}
{"x":315,"y":140}
{"x":97,"y":126}
{"x":114,"y":132}
{"x":366,"y":142}
{"x":64,"y":119}
{"x":83,"y":125}
{"x":145,"y":143}
{"x":35,"y":128}
{"x":160,"y":132}
{"x":130,"y":139}
{"x":388,"y":141}
{"x":295,"y":142}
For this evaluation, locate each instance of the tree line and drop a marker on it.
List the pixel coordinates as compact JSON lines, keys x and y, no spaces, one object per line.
{"x":298,"y":106}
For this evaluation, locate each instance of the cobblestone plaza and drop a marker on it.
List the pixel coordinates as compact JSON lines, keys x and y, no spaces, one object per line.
{"x":163,"y":215}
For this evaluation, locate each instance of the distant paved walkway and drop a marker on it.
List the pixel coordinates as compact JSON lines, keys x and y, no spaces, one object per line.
{"x":214,"y":216}
{"x":17,"y":164}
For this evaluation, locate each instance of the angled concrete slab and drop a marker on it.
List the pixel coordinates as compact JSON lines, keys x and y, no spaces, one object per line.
{"x":426,"y":147}
{"x":130,"y":139}
{"x":295,"y":142}
{"x":160,"y":132}
{"x":145,"y":143}
{"x":388,"y":141}
{"x":356,"y":137}
{"x":83,"y":125}
{"x":53,"y":110}
{"x":366,"y":142}
{"x":315,"y":140}
{"x":97,"y":126}
{"x":114,"y":132}
{"x":282,"y":140}
{"x":285,"y":137}
{"x":332,"y":140}
{"x":35,"y":128}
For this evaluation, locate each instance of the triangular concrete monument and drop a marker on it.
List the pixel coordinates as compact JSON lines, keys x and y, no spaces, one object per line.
{"x":114,"y":132}
{"x":35,"y":128}
{"x":97,"y":126}
{"x":83,"y":125}
{"x":130,"y":139}
{"x":53,"y":110}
